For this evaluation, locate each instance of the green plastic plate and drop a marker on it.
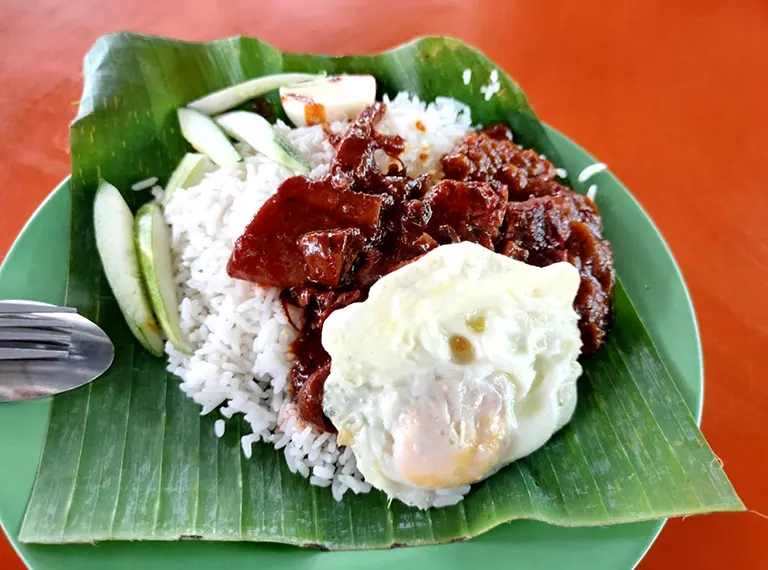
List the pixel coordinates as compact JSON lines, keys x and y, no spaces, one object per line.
{"x":36,"y":269}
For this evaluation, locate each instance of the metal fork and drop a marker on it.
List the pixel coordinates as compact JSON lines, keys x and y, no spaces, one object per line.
{"x":45,"y":350}
{"x":33,"y":331}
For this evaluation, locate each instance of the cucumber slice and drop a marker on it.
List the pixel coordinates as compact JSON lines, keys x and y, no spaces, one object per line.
{"x":153,"y":245}
{"x":262,"y":136}
{"x":206,"y":137}
{"x":113,"y":224}
{"x":229,"y":97}
{"x":189,"y":172}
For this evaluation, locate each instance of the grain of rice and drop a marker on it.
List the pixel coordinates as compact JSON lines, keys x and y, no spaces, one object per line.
{"x":319,"y":482}
{"x":246,"y":442}
{"x":349,"y":467}
{"x":466,"y":77}
{"x":302,"y":437}
{"x":338,"y":489}
{"x":322,"y":471}
{"x":211,"y":403}
{"x":218,"y":428}
{"x":158,"y":194}
{"x":302,"y":468}
{"x":591,"y":170}
{"x":321,"y":439}
{"x":294,"y":450}
{"x":493,"y":86}
{"x":592,"y":192}
{"x":354,"y":484}
{"x":283,"y":441}
{"x":144,"y":184}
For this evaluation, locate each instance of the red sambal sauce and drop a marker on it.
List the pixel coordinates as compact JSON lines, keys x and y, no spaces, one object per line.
{"x":314,"y":112}
{"x":324,"y":242}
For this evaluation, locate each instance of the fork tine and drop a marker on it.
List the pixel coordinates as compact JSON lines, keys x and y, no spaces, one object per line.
{"x":15,"y":307}
{"x":31,"y":321}
{"x":31,"y":335}
{"x":31,"y":354}
{"x":34,"y":331}
{"x":28,"y":344}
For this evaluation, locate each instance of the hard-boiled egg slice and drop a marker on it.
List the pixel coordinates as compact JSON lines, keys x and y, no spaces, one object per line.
{"x":328,"y":99}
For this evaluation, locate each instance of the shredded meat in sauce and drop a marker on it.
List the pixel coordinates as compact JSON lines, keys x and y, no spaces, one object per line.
{"x":325,"y":242}
{"x":490,"y":156}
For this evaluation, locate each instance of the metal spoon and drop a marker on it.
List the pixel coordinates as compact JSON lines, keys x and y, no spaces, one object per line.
{"x":85,"y":355}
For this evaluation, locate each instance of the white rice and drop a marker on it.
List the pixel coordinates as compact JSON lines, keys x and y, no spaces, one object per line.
{"x":591,"y":170}
{"x":587,"y":173}
{"x":466,"y":76}
{"x":239,"y":332}
{"x":493,"y":87}
{"x":429,"y":131}
{"x":144,"y":184}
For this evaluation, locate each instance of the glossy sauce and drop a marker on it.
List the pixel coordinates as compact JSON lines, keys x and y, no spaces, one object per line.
{"x":325,"y":242}
{"x":269,"y":253}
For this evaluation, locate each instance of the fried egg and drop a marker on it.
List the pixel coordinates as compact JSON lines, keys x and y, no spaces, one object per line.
{"x":456,"y":365}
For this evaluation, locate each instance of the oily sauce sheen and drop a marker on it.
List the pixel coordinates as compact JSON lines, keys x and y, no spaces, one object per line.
{"x":325,"y":242}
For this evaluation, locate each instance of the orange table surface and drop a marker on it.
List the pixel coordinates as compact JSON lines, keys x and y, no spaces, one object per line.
{"x":671,"y":94}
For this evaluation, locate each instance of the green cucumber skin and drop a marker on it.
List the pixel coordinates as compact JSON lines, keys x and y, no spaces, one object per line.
{"x":185,"y":176}
{"x":192,"y":123}
{"x":263,"y":137}
{"x":230,"y":97}
{"x":137,"y":311}
{"x":145,"y":248}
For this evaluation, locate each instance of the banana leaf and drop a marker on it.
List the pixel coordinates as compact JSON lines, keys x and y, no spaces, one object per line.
{"x":130,"y":458}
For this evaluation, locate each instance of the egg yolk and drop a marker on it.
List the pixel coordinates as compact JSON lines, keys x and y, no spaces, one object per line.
{"x":476,"y":322}
{"x":433,"y":450}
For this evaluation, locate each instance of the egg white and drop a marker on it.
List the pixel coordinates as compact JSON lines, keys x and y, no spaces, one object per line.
{"x":455,"y":365}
